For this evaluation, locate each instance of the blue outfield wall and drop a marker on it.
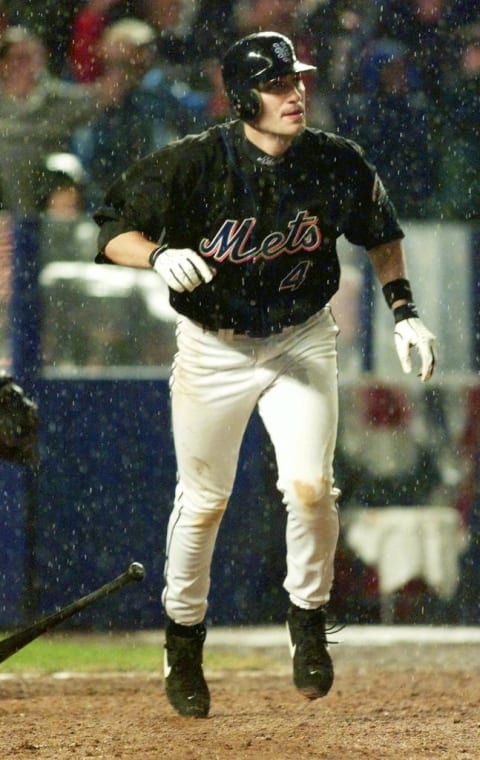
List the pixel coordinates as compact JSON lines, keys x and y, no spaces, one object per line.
{"x":12,"y":544}
{"x":106,"y":479}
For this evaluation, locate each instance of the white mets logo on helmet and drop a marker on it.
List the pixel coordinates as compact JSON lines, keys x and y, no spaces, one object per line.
{"x":282,"y":51}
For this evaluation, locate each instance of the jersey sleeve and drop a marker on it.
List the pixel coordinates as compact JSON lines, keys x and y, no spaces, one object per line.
{"x":373,"y":219}
{"x":150,"y":195}
{"x":137,"y":201}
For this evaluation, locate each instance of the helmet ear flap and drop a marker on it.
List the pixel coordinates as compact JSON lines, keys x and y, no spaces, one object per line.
{"x":247,"y":105}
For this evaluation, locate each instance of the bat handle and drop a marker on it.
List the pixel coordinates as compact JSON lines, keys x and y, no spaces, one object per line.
{"x":10,"y":645}
{"x":136,"y":571}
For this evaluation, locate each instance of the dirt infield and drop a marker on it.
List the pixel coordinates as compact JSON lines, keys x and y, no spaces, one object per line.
{"x":390,"y":701}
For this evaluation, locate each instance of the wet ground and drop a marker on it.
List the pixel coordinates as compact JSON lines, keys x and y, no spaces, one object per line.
{"x":400,"y":693}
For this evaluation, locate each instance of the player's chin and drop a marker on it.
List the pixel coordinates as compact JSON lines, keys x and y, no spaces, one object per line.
{"x":295,"y":131}
{"x":294,"y":125}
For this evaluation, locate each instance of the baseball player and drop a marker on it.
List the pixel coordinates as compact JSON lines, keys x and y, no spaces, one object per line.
{"x":241,"y":222}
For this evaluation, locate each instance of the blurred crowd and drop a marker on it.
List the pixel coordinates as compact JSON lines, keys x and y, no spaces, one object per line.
{"x":103,"y":82}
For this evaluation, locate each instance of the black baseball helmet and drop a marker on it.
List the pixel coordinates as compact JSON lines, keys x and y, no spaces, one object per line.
{"x":253,"y":60}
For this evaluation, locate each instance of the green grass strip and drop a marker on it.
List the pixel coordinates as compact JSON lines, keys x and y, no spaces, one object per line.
{"x":122,"y":653}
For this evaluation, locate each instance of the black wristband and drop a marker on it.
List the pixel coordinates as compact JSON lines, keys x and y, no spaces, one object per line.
{"x":405,"y":311}
{"x":156,"y":253}
{"x":397,"y":290}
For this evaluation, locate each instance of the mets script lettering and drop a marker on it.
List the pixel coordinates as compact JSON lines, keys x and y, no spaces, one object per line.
{"x":233,"y":238}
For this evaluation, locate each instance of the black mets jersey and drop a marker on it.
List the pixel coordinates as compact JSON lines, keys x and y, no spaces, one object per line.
{"x":269,"y":226}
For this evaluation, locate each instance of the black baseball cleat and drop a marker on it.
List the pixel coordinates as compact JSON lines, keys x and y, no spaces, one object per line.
{"x":185,"y":685}
{"x":312,"y":664}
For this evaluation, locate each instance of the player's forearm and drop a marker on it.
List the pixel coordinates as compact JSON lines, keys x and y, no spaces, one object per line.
{"x":388,"y":261}
{"x":130,"y":249}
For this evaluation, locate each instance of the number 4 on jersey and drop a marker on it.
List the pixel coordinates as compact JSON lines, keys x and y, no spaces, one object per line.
{"x":296,"y":276}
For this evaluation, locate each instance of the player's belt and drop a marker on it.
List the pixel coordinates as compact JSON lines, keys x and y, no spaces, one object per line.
{"x":226,"y":332}
{"x":265,"y":332}
{"x":260,"y":323}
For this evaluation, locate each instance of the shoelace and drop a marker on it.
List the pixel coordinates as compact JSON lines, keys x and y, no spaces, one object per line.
{"x":329,"y":629}
{"x":333,"y":628}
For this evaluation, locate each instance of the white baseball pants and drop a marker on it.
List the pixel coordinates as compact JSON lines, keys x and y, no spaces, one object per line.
{"x":218,"y":379}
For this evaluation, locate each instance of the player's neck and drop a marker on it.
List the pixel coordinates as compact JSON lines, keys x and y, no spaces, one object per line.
{"x":269,"y":143}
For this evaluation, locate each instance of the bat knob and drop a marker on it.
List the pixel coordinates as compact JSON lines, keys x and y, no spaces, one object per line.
{"x":136,"y":571}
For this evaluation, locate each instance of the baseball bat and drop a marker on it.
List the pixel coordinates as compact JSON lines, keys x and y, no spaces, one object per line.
{"x":18,"y":640}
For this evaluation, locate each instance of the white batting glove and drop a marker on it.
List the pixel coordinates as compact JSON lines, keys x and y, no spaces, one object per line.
{"x":182,"y":269}
{"x":411,"y":333}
